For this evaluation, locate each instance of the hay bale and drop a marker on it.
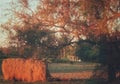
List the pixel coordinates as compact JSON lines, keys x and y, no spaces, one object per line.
{"x":29,"y":70}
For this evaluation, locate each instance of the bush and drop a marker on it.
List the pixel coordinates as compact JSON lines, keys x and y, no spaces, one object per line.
{"x":88,"y":52}
{"x":2,"y":55}
{"x":64,"y":60}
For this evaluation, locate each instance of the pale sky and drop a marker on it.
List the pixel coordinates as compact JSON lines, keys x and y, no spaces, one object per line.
{"x":4,"y":4}
{"x":4,"y":15}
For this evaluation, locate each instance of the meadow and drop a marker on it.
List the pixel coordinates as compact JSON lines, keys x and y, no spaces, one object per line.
{"x":67,"y":73}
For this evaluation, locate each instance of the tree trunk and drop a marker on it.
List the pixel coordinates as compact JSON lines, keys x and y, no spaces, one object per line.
{"x":48,"y":75}
{"x":111,"y":73}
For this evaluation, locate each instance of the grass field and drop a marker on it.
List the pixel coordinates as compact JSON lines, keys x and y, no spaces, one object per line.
{"x":90,"y":81}
{"x":63,"y":68}
{"x":76,"y":67}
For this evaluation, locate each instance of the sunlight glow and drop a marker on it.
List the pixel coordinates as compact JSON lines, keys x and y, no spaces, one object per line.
{"x":5,"y":15}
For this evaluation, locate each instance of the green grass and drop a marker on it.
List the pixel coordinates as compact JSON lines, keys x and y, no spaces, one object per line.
{"x":88,"y":81}
{"x":60,"y":67}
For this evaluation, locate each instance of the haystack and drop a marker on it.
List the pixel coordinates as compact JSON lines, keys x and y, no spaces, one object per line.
{"x":29,"y":70}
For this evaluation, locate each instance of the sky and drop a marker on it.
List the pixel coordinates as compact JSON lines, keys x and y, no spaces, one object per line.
{"x":4,"y":4}
{"x":4,"y":15}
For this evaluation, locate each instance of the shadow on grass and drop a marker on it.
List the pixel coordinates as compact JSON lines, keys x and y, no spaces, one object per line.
{"x":56,"y":81}
{"x":72,"y":81}
{"x":98,"y":77}
{"x":101,"y":72}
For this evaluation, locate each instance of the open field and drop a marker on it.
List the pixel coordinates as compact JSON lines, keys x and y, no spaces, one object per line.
{"x":76,"y":67}
{"x":76,"y":73}
{"x":90,"y":81}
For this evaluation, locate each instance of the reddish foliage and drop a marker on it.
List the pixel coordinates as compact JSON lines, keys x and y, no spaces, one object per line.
{"x":6,"y":50}
{"x":29,"y":70}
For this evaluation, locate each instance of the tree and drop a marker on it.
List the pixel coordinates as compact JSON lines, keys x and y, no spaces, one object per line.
{"x":101,"y":30}
{"x":88,"y":52}
{"x":75,"y":21}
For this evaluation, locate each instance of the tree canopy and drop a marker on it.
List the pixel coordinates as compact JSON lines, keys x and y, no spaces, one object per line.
{"x":55,"y":24}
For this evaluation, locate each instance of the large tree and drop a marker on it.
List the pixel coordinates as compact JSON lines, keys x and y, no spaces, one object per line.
{"x":55,"y":24}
